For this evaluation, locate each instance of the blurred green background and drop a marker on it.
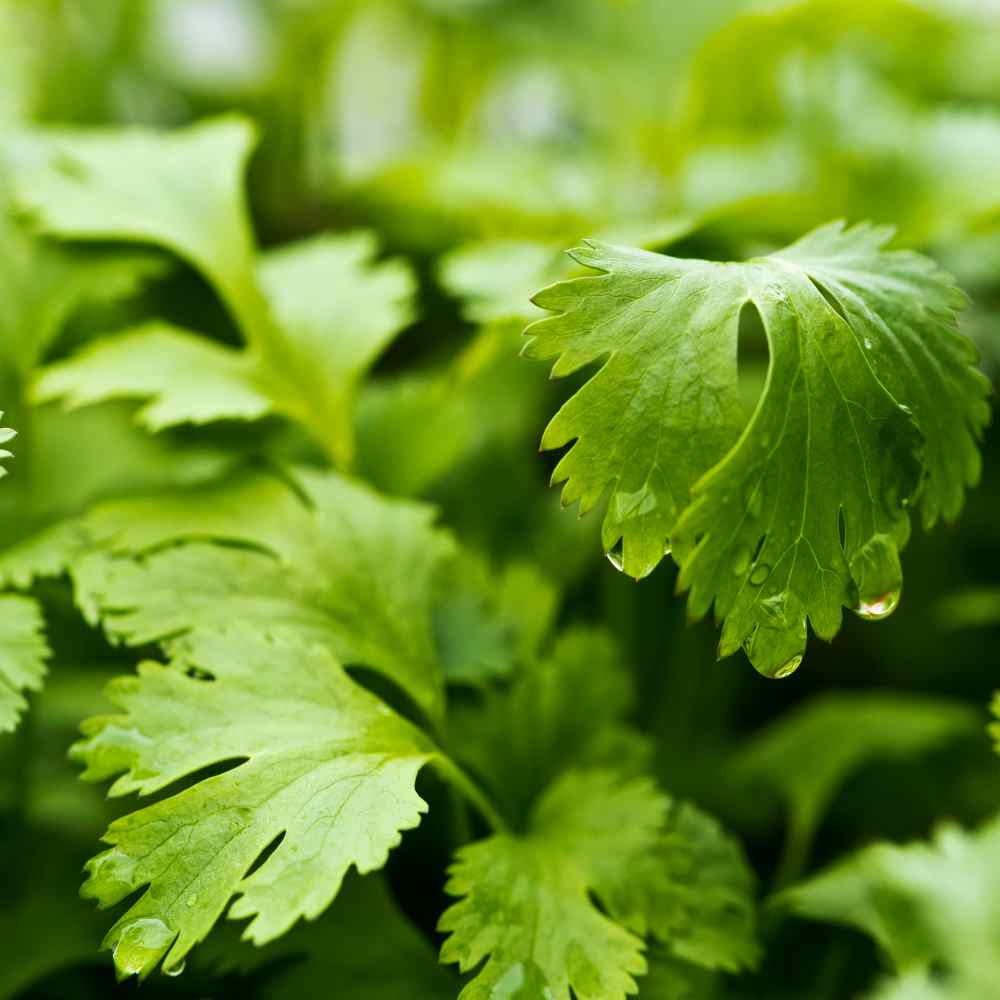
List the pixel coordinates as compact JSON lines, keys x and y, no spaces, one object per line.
{"x":479,"y":138}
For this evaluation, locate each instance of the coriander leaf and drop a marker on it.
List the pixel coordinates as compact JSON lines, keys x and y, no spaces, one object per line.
{"x":334,"y":309}
{"x":187,"y":378}
{"x":487,"y":623}
{"x":562,"y":711}
{"x":323,"y":765}
{"x":23,"y":652}
{"x":182,"y":190}
{"x":337,"y":310}
{"x":698,"y":894}
{"x":932,"y":907}
{"x":871,"y":403}
{"x":806,"y":755}
{"x":495,"y":278}
{"x":6,"y":434}
{"x":416,"y":428}
{"x":526,"y":906}
{"x":340,"y":565}
{"x":315,"y":313}
{"x":43,"y":284}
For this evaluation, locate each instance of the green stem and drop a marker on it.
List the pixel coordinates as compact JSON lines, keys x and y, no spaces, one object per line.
{"x":795,"y":850}
{"x":472,"y":793}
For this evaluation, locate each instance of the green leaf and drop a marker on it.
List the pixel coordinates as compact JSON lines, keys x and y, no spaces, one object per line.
{"x":330,"y":561}
{"x":23,"y":652}
{"x":488,"y":623}
{"x":562,"y":711}
{"x":806,"y":755}
{"x":6,"y":434}
{"x":334,"y":309}
{"x":699,"y":894}
{"x":655,"y":867}
{"x":182,"y":190}
{"x":43,"y":283}
{"x":859,"y":338}
{"x":932,"y":908}
{"x":526,"y":906}
{"x":496,"y":278}
{"x":315,"y":314}
{"x":186,"y":377}
{"x":337,"y":310}
{"x":417,"y":427}
{"x":323,"y":765}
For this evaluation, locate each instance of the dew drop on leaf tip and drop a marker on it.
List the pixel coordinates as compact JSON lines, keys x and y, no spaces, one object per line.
{"x":875,"y":608}
{"x":175,"y":970}
{"x":788,"y":667}
{"x":616,"y":556}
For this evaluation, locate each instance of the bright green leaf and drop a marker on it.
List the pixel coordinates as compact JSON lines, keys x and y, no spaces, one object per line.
{"x":23,"y":652}
{"x":339,"y":565}
{"x":859,"y":337}
{"x":181,"y":190}
{"x":334,"y":311}
{"x":6,"y":434}
{"x":323,"y":765}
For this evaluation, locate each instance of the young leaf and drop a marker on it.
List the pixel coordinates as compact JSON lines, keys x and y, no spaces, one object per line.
{"x":23,"y":652}
{"x":526,"y":904}
{"x":339,"y":565}
{"x":323,"y":765}
{"x":871,"y":403}
{"x":334,"y":311}
{"x":181,"y":190}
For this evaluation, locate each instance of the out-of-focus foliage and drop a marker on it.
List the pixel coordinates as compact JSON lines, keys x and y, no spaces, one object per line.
{"x":265,"y":269}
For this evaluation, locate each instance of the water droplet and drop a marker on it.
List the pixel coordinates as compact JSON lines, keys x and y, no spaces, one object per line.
{"x":789,"y":667}
{"x":191,"y":900}
{"x":140,"y":945}
{"x":875,"y":608}
{"x":114,"y":871}
{"x":868,"y":343}
{"x":522,"y":981}
{"x":666,"y":549}
{"x":878,"y":578}
{"x":741,"y":562}
{"x":760,"y":573}
{"x":175,"y":970}
{"x":616,"y":556}
{"x":626,"y":505}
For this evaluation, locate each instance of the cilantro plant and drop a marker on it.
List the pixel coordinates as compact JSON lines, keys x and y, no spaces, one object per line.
{"x":300,"y":659}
